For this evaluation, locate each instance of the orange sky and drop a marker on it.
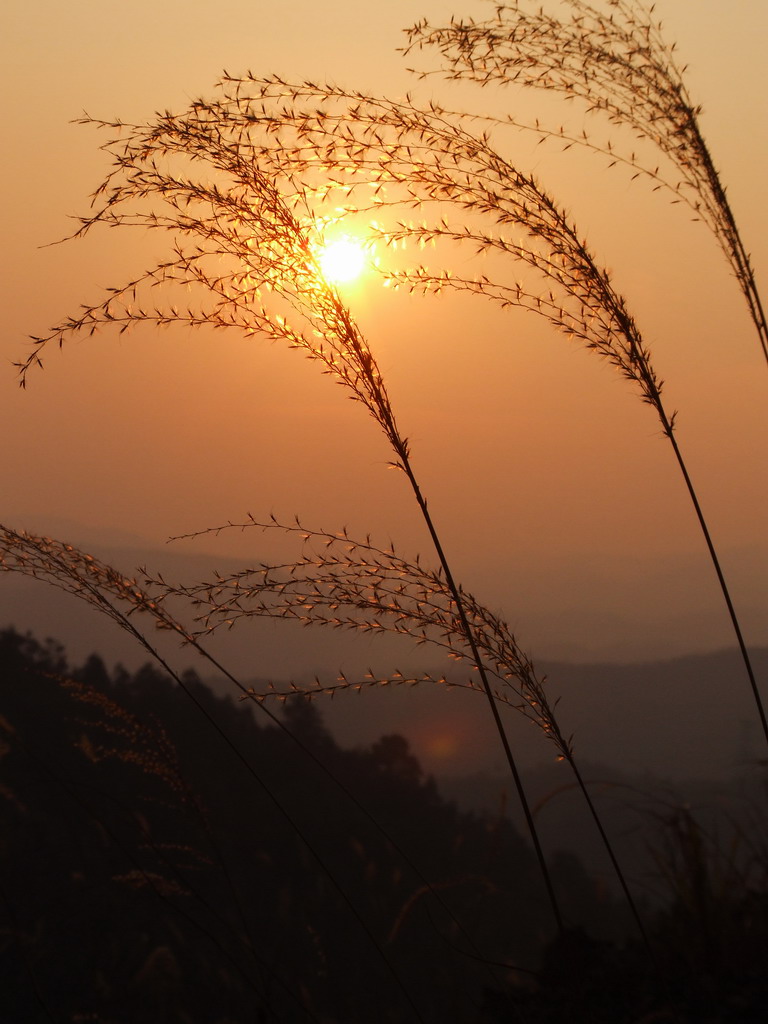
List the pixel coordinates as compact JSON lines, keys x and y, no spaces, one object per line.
{"x":548,"y":477}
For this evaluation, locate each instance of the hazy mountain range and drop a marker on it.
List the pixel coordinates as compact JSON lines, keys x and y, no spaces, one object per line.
{"x":673,"y":717}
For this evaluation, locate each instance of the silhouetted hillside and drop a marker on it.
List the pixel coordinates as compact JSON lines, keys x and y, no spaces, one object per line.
{"x":167,"y":858}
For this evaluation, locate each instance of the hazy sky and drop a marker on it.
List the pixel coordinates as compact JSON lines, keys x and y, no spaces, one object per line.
{"x":548,"y":477}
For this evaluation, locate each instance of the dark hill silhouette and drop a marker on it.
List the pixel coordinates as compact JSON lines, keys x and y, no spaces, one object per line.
{"x":153,"y":871}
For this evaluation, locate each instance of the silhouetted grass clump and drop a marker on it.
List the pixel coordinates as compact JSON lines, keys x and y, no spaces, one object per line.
{"x":243,"y":186}
{"x":616,"y":60}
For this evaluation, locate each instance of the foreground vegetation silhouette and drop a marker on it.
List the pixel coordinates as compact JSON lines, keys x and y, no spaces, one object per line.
{"x":142,"y":879}
{"x":243,"y":185}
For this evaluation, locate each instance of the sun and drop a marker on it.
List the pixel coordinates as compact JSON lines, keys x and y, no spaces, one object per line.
{"x":342,"y":260}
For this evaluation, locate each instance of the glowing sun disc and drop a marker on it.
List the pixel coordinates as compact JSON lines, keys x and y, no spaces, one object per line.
{"x":342,"y":261}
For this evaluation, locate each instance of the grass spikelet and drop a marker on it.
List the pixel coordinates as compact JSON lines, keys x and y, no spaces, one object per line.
{"x":258,"y":218}
{"x":394,"y":156}
{"x":618,"y":63}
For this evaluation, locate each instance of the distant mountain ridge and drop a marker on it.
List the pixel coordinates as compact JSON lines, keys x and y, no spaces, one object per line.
{"x":579,"y":610}
{"x":678,"y":719}
{"x":685,"y":716}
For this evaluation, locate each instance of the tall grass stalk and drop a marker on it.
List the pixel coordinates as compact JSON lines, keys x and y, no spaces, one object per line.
{"x":342,"y":583}
{"x":272,"y":156}
{"x":274,"y":153}
{"x":617,"y":61}
{"x":392,"y":157}
{"x":258,"y":223}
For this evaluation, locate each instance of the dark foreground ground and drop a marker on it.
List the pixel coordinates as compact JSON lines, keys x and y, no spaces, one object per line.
{"x":167,"y":856}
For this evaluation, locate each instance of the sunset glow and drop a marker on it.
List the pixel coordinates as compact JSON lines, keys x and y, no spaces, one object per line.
{"x":342,"y":260}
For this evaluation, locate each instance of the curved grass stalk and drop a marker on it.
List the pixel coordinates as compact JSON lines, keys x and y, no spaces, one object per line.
{"x":342,"y":583}
{"x":257,"y":222}
{"x":401,"y":157}
{"x":427,"y":158}
{"x":274,"y":151}
{"x":617,"y":62}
